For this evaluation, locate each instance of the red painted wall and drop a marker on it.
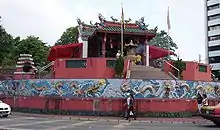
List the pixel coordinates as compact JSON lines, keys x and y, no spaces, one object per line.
{"x":96,"y":68}
{"x":192,"y":71}
{"x":102,"y":104}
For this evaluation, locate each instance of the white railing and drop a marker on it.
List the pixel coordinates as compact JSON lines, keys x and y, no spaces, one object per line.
{"x":171,"y":74}
{"x":174,"y":68}
{"x":45,"y":67}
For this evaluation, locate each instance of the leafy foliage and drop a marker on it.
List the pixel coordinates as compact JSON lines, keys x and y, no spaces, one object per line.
{"x":69,"y":36}
{"x":216,"y":74}
{"x":119,"y":67}
{"x":32,"y":45}
{"x":6,"y":47}
{"x":180,"y":65}
{"x":163,"y":40}
{"x":11,"y":48}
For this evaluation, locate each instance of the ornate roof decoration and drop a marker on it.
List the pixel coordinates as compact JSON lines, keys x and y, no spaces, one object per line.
{"x":128,"y":21}
{"x":114,"y":25}
{"x":113,"y":19}
{"x":141,"y":24}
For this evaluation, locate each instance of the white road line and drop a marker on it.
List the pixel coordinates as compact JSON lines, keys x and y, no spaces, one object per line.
{"x":29,"y":123}
{"x":71,"y":126}
{"x":121,"y":125}
{"x":16,"y":129}
{"x":20,"y":118}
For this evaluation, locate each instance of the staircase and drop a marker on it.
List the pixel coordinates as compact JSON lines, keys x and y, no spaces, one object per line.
{"x":42,"y":74}
{"x":148,"y":72}
{"x":48,"y":75}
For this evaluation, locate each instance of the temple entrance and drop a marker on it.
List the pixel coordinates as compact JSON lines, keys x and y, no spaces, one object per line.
{"x":113,"y":44}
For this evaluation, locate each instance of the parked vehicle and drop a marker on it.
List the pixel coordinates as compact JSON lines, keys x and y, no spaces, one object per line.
{"x":211,"y":113}
{"x":5,"y":109}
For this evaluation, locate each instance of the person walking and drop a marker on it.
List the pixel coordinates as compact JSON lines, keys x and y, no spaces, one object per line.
{"x":130,"y":107}
{"x":199,"y":101}
{"x":205,"y":100}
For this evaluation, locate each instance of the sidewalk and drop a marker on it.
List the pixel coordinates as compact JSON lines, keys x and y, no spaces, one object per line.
{"x":192,"y":120}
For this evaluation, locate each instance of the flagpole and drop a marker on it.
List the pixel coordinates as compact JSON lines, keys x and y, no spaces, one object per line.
{"x":122,"y":31}
{"x":168,"y":31}
{"x":168,"y":40}
{"x":122,"y":41}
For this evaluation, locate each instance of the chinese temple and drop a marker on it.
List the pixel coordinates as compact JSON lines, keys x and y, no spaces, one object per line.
{"x":101,"y":41}
{"x":81,"y":78}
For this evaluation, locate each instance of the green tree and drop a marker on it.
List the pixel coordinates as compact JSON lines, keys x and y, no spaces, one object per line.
{"x":6,"y":47}
{"x":163,"y":40}
{"x":69,"y":36}
{"x":216,"y":74}
{"x":34,"y":46}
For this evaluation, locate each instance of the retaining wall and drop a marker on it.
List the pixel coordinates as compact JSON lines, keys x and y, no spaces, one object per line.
{"x":106,"y":96}
{"x":103,"y":106}
{"x":109,"y":88}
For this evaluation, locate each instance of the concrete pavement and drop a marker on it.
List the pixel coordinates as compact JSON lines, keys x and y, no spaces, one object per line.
{"x":192,"y":120}
{"x":19,"y":122}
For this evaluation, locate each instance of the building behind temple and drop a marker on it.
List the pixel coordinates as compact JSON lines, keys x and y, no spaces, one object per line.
{"x":212,"y":26}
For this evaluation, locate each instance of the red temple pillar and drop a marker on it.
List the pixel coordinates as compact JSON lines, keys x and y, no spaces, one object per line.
{"x":104,"y":45}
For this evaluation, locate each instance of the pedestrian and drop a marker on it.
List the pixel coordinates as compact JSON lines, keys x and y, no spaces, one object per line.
{"x":205,"y":100}
{"x":199,"y":101}
{"x":130,"y":107}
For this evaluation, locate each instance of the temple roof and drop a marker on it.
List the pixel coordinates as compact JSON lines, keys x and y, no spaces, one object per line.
{"x":114,"y":26}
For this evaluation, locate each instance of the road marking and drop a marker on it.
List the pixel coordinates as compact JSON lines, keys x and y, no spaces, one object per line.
{"x":122,"y":125}
{"x":20,"y":118}
{"x":29,"y":123}
{"x":16,"y":129}
{"x":71,"y":126}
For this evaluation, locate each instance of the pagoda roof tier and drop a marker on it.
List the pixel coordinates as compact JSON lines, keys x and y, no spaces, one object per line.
{"x":114,"y":26}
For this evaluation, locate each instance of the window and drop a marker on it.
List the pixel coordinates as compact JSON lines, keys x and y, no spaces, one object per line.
{"x":214,"y":27}
{"x":214,"y":48}
{"x":202,"y":68}
{"x":215,"y":6}
{"x":110,"y":63}
{"x":75,"y":63}
{"x":215,"y":59}
{"x":213,"y":17}
{"x":213,"y":38}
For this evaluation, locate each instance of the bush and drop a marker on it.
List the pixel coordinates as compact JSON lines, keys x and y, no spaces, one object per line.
{"x":119,"y":67}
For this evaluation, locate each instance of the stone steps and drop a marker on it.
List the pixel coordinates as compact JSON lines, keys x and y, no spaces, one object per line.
{"x":145,"y":68}
{"x":148,"y":72}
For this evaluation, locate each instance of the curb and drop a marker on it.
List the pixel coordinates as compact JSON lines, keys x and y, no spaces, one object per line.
{"x":119,"y":120}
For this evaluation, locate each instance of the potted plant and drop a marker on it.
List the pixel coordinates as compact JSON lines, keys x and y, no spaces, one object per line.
{"x":180,"y":65}
{"x":119,"y":67}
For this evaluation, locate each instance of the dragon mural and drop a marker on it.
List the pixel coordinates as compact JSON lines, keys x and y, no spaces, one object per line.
{"x":109,"y":88}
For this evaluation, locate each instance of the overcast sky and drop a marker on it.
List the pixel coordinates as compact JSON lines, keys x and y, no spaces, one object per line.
{"x":48,"y":19}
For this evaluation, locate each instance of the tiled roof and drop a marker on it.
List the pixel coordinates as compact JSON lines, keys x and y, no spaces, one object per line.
{"x":89,"y":30}
{"x":127,"y":29}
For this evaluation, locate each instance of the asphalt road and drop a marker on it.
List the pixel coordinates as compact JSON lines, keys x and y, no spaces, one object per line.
{"x":14,"y":122}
